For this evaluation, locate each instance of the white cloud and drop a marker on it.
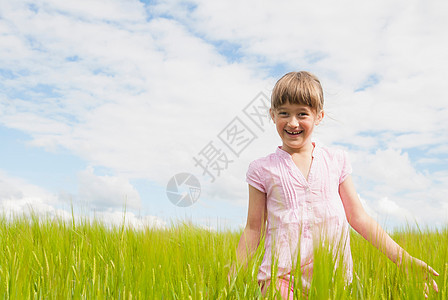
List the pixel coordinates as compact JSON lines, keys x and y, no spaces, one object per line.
{"x":401,"y":44}
{"x":140,"y":93}
{"x":18,"y":197}
{"x":396,"y":191}
{"x":391,"y":169}
{"x":398,"y":167}
{"x":112,"y":11}
{"x":102,"y":192}
{"x":354,"y":39}
{"x":135,"y":98}
{"x":128,"y":219}
{"x":390,"y":209}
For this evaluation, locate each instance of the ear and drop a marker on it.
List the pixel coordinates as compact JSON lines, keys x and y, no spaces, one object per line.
{"x":271,"y":113}
{"x":319,"y":117}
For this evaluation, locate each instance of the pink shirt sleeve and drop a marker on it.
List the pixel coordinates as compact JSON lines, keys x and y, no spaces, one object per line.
{"x":254,"y":176}
{"x":346,"y":167}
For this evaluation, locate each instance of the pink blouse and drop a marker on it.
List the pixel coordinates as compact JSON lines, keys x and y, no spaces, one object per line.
{"x":310,"y":209}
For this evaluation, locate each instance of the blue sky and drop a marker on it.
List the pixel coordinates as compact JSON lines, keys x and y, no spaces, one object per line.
{"x":102,"y":102}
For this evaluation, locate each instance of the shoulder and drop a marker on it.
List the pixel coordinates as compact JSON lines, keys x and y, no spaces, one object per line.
{"x":335,"y":154}
{"x":265,"y":158}
{"x":258,"y":170}
{"x":336,"y":159}
{"x":264,"y":161}
{"x":264,"y":165}
{"x":332,"y":152}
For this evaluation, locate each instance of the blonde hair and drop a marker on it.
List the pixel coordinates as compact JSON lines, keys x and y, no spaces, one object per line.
{"x":298,"y":88}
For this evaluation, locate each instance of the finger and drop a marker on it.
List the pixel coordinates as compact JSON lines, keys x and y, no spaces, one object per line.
{"x":434,"y":272}
{"x":434,"y":286}
{"x":426,"y":290}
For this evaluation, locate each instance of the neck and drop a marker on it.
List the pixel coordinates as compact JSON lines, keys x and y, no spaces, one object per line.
{"x":305,"y":150}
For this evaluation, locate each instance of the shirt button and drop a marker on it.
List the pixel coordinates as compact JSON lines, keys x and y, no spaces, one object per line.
{"x":309,"y":208}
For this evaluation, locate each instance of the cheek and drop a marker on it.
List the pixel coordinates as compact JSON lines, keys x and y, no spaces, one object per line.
{"x":309,"y":124}
{"x":280,"y":124}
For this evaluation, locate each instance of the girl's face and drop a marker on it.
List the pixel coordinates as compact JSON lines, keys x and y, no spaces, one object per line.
{"x":295,"y":124}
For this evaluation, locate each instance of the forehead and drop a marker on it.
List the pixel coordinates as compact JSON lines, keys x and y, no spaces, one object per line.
{"x":289,"y":106}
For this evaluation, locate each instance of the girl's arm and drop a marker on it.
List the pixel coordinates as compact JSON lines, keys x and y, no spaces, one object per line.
{"x":255,"y":226}
{"x":372,"y":231}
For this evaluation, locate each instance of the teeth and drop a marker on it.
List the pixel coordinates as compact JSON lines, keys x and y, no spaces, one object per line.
{"x":293,"y":132}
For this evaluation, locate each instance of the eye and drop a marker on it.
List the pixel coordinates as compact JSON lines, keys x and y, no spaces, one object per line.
{"x":282,"y":113}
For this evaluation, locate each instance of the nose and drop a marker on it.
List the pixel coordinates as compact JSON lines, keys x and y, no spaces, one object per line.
{"x":293,"y":122}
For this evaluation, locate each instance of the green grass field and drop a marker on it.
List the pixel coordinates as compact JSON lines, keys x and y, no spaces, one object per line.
{"x":52,"y":259}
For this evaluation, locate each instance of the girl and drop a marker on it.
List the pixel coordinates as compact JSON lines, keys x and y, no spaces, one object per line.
{"x":303,"y":193}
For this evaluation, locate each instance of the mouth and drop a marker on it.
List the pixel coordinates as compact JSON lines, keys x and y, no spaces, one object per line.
{"x":293,"y":132}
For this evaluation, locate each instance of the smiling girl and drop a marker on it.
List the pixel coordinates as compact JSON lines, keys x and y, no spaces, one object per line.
{"x":303,"y":193}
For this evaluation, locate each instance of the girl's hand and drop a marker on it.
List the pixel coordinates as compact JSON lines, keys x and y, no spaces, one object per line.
{"x":427,"y":271}
{"x":420,"y":266}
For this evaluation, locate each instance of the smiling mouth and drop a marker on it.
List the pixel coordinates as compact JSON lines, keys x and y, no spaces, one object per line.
{"x":294,"y":132}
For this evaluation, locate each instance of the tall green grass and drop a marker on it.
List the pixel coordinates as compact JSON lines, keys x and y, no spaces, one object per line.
{"x":44,"y":258}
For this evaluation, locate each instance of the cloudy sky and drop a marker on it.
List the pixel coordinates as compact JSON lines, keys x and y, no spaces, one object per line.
{"x":103,"y":102}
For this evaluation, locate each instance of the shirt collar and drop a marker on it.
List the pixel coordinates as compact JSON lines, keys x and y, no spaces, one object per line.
{"x":282,"y":153}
